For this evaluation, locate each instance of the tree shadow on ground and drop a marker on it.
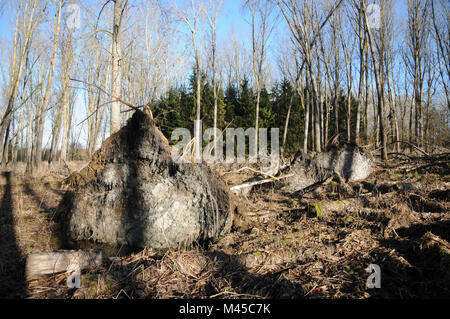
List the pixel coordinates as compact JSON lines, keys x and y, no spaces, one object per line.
{"x":422,"y":269}
{"x":53,"y":213}
{"x":30,"y":192}
{"x":12,"y":264}
{"x":232,"y":271}
{"x":271,"y":285}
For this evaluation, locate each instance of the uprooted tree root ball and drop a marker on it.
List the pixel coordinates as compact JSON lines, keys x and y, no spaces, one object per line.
{"x":132,"y":193}
{"x":347,"y":161}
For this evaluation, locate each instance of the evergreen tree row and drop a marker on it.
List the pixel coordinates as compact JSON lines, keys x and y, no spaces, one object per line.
{"x":236,"y":108}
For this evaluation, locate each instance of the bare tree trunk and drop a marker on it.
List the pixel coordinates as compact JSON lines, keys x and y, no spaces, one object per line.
{"x":66,"y":116}
{"x":312,"y":133}
{"x":418,"y":34}
{"x":29,"y":142}
{"x":392,"y":111}
{"x":307,"y":108}
{"x":116,"y":85}
{"x":348,"y":54}
{"x":46,"y":100}
{"x":411,"y":121}
{"x":327,"y":110}
{"x":19,"y":132}
{"x":65,"y":128}
{"x":286,"y":123}
{"x":443,"y":53}
{"x":361,"y":38}
{"x":213,"y":23}
{"x":258,"y":50}
{"x":380,"y":100}
{"x":55,"y":135}
{"x":29,"y":22}
{"x":336,"y":110}
{"x":192,"y":23}
{"x":198,"y":100}
{"x":315,"y":101}
{"x":366,"y":99}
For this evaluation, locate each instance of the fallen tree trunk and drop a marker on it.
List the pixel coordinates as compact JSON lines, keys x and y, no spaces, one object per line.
{"x":48,"y":263}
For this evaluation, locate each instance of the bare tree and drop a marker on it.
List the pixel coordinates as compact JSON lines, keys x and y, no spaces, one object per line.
{"x":417,"y":40}
{"x":441,"y":34}
{"x":191,"y":18}
{"x":212,"y":16}
{"x":262,"y":27}
{"x":48,"y":86}
{"x":27,"y":18}
{"x":362,"y":40}
{"x":116,"y":61}
{"x":290,"y":68}
{"x":302,"y":19}
{"x":348,"y":57}
{"x":378,"y":69}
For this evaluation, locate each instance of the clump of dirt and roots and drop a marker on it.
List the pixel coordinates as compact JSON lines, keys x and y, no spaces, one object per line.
{"x":281,"y":245}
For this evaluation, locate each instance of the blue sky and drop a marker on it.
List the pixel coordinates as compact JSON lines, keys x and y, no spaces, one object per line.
{"x":231,"y":16}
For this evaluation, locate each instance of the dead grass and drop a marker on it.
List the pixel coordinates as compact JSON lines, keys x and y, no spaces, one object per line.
{"x":278,"y":252}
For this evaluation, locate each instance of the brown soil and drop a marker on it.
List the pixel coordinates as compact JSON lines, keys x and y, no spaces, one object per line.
{"x":397,"y":218}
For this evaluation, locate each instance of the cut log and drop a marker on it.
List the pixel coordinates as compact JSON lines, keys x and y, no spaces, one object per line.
{"x":49,"y":263}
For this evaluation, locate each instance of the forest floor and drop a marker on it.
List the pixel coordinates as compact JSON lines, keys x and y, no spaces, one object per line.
{"x":280,"y":249}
